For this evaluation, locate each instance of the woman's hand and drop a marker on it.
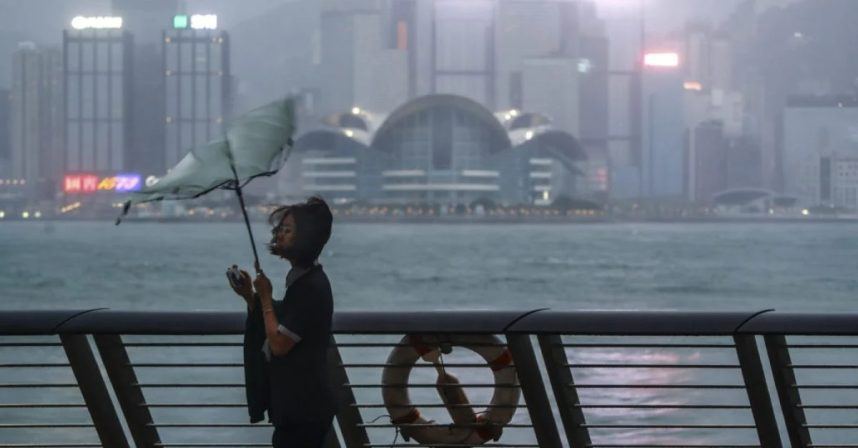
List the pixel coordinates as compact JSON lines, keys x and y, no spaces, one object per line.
{"x":263,"y":287}
{"x":245,"y":288}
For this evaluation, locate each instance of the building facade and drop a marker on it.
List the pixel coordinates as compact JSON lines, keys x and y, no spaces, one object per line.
{"x":97,"y":71}
{"x":436,"y":149}
{"x":820,"y":136}
{"x":197,"y":88}
{"x":36,"y":120}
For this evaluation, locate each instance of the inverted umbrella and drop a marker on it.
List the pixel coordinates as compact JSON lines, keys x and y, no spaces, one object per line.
{"x":256,"y":144}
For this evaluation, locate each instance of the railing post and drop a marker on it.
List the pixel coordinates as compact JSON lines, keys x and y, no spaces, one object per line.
{"x":533,"y":390}
{"x":564,"y":390}
{"x":758,"y":391}
{"x":799,"y":435}
{"x":124,"y":380}
{"x":94,"y":391}
{"x":348,"y":416}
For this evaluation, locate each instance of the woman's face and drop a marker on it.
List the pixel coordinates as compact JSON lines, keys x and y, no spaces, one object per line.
{"x":283,"y":237}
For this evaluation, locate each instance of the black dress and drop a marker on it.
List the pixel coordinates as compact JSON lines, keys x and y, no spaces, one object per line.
{"x":294,"y":388}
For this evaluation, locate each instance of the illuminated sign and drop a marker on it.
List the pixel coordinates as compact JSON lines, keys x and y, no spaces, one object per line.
{"x":98,"y":22}
{"x":692,"y":85}
{"x":180,"y":21}
{"x":661,"y":60}
{"x":196,"y":21}
{"x":92,"y":183}
{"x":204,"y":21}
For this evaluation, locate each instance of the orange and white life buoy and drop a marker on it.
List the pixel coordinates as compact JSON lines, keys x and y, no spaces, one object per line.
{"x":468,"y":428}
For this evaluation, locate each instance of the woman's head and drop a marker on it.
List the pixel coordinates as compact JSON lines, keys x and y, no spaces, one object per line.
{"x":300,"y":231}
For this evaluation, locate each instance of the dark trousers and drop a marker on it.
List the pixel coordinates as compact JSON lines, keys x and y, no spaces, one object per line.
{"x":301,"y":434}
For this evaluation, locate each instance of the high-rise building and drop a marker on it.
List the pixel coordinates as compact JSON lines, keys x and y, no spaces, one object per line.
{"x":463,"y":50}
{"x":146,"y":20}
{"x":819,"y":139}
{"x":664,"y":128}
{"x":36,"y":119}
{"x":197,"y":84}
{"x":710,"y":161}
{"x":5,"y":138}
{"x":358,"y":67}
{"x":97,"y":67}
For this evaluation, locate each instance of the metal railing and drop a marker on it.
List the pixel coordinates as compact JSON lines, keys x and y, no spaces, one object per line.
{"x":117,"y":379}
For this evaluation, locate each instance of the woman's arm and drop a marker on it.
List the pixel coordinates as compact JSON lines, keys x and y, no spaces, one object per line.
{"x":278,"y":337}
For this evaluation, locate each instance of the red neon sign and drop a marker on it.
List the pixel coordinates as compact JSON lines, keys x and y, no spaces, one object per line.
{"x":91,"y":183}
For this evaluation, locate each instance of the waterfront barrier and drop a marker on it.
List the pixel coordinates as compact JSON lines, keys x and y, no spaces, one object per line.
{"x":99,"y":377}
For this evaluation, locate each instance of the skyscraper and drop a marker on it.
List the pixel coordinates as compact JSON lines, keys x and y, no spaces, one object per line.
{"x":97,"y":80}
{"x":35,"y":119}
{"x":146,"y":20}
{"x":664,"y":129}
{"x":197,"y":84}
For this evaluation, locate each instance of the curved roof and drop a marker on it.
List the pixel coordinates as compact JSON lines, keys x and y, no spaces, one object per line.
{"x":330,"y":139}
{"x":548,"y":142}
{"x":740,"y":196}
{"x":429,"y":102}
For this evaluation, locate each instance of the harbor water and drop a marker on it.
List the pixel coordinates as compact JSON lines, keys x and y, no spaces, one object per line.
{"x":406,"y":267}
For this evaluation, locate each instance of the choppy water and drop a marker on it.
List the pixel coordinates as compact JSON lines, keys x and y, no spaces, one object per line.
{"x":397,"y":267}
{"x":408,"y":267}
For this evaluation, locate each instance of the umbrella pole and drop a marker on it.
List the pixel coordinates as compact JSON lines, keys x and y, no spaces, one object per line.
{"x":246,"y":220}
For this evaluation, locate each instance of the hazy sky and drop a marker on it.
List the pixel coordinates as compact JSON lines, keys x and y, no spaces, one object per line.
{"x":41,"y":21}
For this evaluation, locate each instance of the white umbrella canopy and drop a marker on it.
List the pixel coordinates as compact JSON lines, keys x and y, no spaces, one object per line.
{"x":256,"y":144}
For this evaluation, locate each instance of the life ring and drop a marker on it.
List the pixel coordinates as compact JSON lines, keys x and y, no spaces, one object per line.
{"x":468,"y":428}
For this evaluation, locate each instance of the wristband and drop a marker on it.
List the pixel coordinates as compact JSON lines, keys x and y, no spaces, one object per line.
{"x":267,"y":309}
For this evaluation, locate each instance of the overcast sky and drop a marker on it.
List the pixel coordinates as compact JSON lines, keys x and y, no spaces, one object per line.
{"x":41,"y":21}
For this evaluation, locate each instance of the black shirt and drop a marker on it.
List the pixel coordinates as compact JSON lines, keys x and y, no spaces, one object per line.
{"x":298,"y":382}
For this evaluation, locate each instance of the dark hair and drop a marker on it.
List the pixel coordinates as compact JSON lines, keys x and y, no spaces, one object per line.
{"x":313,"y":222}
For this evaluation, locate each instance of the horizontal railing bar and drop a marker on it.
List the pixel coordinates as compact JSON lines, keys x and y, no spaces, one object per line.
{"x":423,"y":385}
{"x":439,"y":425}
{"x":192,"y":405}
{"x":824,"y":386}
{"x":183,"y":344}
{"x":831,"y":426}
{"x":41,"y":405}
{"x":813,"y":445}
{"x":30,"y":344}
{"x":823,"y":366}
{"x":645,"y":345}
{"x":173,"y":385}
{"x":688,"y":426}
{"x":662,"y":406}
{"x":652,"y":366}
{"x":832,"y":346}
{"x":207,"y":425}
{"x":451,"y":445}
{"x":397,"y":344}
{"x":36,"y":385}
{"x":194,"y":445}
{"x":436,"y":405}
{"x":625,"y":445}
{"x":656,"y":386}
{"x":431,"y":366}
{"x":45,"y":425}
{"x":39,"y":366}
{"x":827,"y":406}
{"x":49,"y":445}
{"x":183,"y":365}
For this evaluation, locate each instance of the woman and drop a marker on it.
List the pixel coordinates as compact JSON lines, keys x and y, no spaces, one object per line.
{"x":286,"y":342}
